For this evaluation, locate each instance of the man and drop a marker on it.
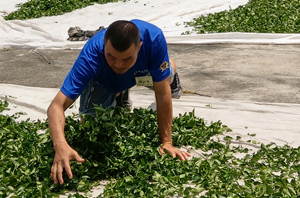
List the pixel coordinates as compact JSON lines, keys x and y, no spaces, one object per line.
{"x":111,"y":62}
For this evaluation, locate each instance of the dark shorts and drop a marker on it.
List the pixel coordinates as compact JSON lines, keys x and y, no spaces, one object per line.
{"x":95,"y":93}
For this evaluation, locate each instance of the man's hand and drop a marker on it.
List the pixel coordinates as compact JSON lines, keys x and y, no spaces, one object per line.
{"x":63,"y":154}
{"x":174,"y":152}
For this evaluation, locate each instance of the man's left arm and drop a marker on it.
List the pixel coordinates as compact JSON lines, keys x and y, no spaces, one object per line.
{"x":164,"y":118}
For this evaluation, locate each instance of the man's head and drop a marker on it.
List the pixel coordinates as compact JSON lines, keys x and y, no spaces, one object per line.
{"x":122,"y":44}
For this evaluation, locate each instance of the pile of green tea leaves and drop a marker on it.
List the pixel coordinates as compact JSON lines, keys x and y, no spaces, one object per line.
{"x":41,"y":8}
{"x":122,"y":148}
{"x":257,"y":16}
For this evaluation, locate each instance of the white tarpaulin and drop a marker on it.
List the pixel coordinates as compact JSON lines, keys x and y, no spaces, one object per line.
{"x":271,"y":122}
{"x":169,"y":15}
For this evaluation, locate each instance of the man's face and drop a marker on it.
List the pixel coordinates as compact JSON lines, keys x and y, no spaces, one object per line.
{"x":120,"y":62}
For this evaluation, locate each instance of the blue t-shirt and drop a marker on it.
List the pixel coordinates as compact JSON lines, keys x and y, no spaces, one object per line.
{"x":92,"y":65}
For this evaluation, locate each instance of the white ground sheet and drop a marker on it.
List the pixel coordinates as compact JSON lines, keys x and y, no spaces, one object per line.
{"x":169,"y":15}
{"x":270,"y":122}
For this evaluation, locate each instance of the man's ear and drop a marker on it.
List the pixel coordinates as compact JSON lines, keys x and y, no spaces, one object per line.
{"x":140,"y":45}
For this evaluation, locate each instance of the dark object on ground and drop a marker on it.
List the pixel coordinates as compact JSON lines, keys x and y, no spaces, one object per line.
{"x":77,"y":34}
{"x":123,"y":100}
{"x":176,"y":87}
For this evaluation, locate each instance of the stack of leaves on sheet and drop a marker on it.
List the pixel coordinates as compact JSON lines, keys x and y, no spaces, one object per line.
{"x":122,"y":148}
{"x":259,"y":16}
{"x":41,"y":8}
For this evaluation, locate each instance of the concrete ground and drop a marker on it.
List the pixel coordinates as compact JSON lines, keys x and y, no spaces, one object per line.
{"x":258,"y":73}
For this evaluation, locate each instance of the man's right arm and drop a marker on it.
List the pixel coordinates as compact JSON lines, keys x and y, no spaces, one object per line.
{"x":63,"y":152}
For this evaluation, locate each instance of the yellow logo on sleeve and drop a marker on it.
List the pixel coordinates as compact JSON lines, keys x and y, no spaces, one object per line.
{"x":164,"y":66}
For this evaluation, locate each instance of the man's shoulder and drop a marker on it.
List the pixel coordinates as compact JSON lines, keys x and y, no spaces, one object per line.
{"x":97,"y":41}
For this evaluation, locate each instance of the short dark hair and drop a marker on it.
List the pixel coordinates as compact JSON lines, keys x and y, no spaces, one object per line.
{"x":122,"y":34}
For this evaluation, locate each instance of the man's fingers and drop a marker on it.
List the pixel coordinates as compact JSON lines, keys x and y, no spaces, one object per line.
{"x":60,"y":174}
{"x":53,"y":174}
{"x":57,"y":172}
{"x":181,"y":155}
{"x":76,"y":157}
{"x":161,"y":150}
{"x":184,"y":155}
{"x":67,"y":166}
{"x":187,"y":155}
{"x":172,"y":153}
{"x":68,"y":171}
{"x":61,"y":163}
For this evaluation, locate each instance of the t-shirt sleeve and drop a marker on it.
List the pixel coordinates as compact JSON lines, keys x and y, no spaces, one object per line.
{"x":83,"y":70}
{"x":159,"y":64}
